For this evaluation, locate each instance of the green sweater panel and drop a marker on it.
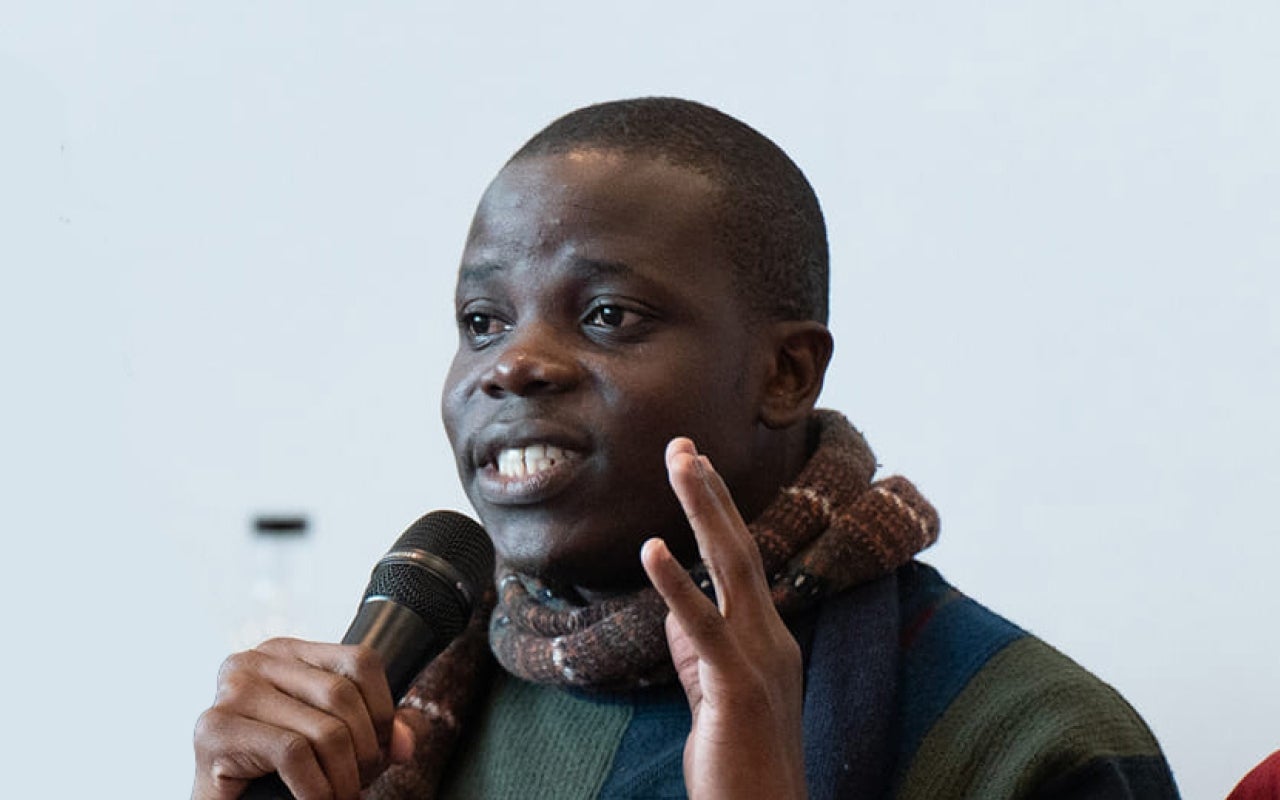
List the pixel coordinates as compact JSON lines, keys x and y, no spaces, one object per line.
{"x":1029,"y":714}
{"x":534,"y":742}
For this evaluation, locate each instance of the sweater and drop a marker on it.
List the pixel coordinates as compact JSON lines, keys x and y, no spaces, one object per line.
{"x":912,"y":690}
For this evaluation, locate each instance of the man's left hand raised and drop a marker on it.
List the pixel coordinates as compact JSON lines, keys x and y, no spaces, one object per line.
{"x":739,"y":665}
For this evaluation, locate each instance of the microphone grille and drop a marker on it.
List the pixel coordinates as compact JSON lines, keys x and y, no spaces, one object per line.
{"x":456,"y":539}
{"x":425,"y":593}
{"x":432,"y":593}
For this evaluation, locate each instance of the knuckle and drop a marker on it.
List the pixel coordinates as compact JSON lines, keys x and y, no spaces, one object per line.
{"x":740,"y":571}
{"x":298,"y":765}
{"x":340,"y":693}
{"x":233,"y":767}
{"x":695,"y":513}
{"x":294,"y":751}
{"x":707,"y":626}
{"x":333,"y":737}
{"x":222,"y":770}
{"x":233,"y":687}
{"x":276,"y":645}
{"x":209,"y":726}
{"x":365,"y":662}
{"x":735,"y":571}
{"x":366,"y":669}
{"x":236,"y":663}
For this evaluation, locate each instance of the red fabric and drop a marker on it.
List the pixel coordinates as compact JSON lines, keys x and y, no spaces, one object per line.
{"x":1263,"y":783}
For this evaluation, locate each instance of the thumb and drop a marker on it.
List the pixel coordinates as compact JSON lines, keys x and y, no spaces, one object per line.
{"x":402,"y":742}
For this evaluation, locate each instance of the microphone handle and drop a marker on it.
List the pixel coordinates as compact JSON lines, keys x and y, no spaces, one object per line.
{"x":404,"y":640}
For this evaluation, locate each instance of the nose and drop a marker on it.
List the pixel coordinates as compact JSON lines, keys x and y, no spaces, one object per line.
{"x":532,"y":361}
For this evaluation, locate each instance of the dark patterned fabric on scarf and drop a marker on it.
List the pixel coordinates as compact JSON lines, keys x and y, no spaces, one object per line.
{"x":830,"y":530}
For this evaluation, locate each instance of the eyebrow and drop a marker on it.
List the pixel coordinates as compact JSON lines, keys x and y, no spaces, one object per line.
{"x":587,"y":268}
{"x":480,"y":272}
{"x":593,"y":268}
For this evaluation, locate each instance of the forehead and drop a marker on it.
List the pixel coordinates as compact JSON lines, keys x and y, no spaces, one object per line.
{"x":604,"y":206}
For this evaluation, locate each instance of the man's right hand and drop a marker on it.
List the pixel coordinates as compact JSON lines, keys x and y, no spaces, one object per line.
{"x":320,"y":715}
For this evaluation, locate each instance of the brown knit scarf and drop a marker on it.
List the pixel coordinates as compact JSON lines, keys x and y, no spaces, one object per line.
{"x":832,"y":529}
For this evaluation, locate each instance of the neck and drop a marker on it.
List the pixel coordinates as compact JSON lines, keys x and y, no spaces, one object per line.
{"x":782,"y":454}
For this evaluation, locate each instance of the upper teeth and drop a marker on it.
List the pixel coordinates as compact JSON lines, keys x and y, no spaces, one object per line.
{"x":519,"y":462}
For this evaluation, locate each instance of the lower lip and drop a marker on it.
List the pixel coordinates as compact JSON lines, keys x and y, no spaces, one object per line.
{"x":502,"y":489}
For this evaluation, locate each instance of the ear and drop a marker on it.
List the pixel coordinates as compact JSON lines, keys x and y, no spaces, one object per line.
{"x":800,"y":351}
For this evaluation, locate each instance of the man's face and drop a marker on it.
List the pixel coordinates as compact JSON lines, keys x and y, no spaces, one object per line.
{"x":597,"y":320}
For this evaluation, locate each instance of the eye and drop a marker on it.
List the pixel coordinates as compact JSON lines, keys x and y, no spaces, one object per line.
{"x":607,"y":315}
{"x":477,"y":324}
{"x":479,"y":327}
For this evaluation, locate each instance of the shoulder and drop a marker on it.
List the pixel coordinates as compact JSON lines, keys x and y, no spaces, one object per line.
{"x":987,"y":709}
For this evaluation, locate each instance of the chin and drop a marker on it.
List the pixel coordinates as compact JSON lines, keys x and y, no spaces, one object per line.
{"x":568,"y":563}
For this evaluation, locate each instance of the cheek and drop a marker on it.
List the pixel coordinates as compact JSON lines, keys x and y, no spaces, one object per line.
{"x":713,"y":405}
{"x":453,"y":401}
{"x":704,"y":401}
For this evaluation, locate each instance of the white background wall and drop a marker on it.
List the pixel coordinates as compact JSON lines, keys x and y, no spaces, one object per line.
{"x":227,"y":236}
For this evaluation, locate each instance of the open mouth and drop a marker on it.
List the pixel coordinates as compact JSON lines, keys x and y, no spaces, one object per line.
{"x":527,"y":473}
{"x":530,"y":460}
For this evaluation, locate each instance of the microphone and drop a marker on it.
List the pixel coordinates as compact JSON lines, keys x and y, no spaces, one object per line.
{"x":419,"y":598}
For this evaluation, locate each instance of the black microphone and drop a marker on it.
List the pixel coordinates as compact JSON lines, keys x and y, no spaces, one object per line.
{"x":419,"y":598}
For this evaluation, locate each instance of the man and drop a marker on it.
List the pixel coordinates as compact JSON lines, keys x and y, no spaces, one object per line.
{"x":645,"y":285}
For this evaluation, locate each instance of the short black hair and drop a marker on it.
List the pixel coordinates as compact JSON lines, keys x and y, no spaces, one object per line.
{"x":770,"y":222}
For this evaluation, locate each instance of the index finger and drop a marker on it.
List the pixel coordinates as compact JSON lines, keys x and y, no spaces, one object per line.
{"x":724,"y":542}
{"x":360,"y":665}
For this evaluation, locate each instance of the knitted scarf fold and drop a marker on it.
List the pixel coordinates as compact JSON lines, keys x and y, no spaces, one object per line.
{"x":830,"y":530}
